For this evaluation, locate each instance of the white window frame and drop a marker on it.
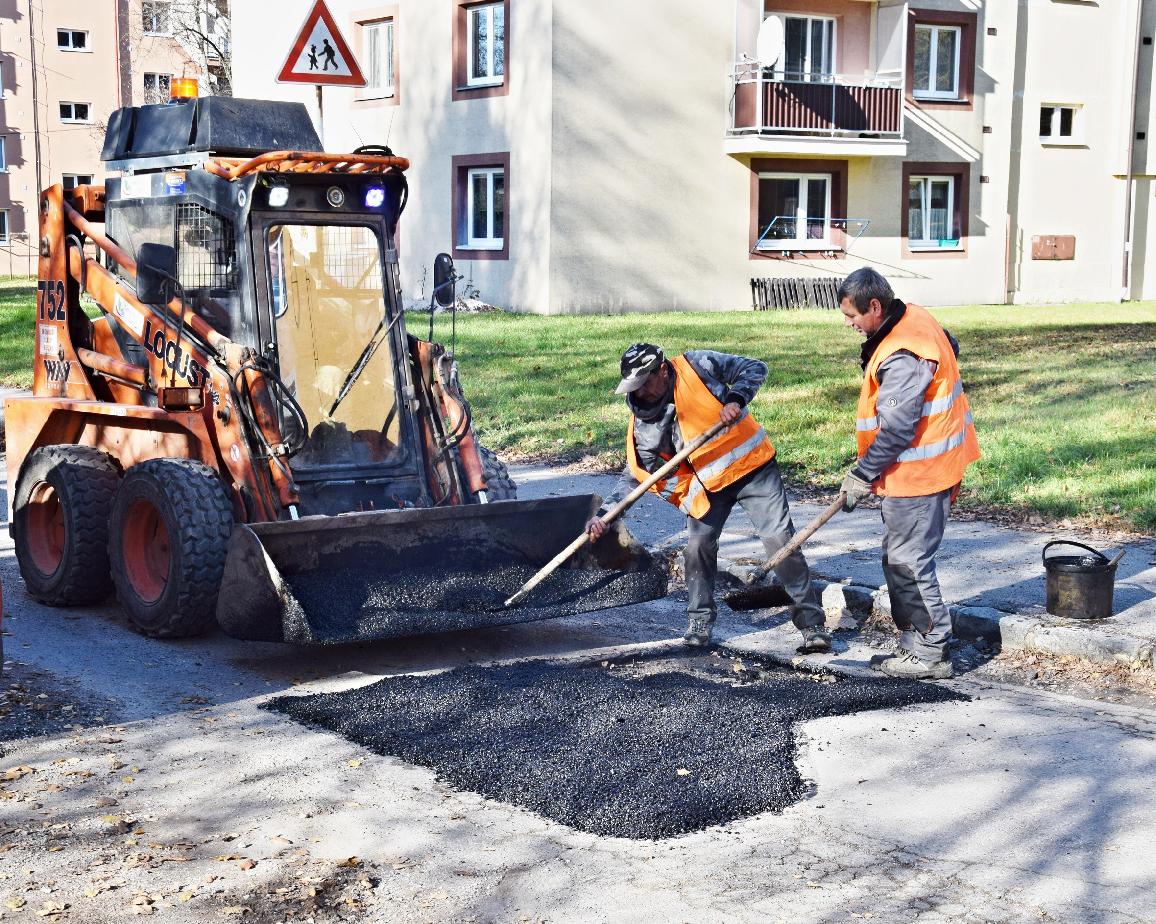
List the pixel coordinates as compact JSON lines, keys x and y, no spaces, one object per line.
{"x":489,"y":241}
{"x":145,"y":89}
{"x":168,"y":8}
{"x":933,"y":63}
{"x":801,"y":216}
{"x":71,"y":47}
{"x":925,"y":242}
{"x":72,"y":180}
{"x":73,"y":119}
{"x":3,"y":153}
{"x":4,"y":234}
{"x":1054,"y":138}
{"x":489,"y":79}
{"x":387,"y":28}
{"x":827,"y":71}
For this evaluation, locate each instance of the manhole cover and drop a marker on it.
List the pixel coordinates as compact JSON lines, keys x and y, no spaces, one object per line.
{"x":641,"y":748}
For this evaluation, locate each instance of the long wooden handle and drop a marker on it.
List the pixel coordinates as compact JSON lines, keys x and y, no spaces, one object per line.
{"x":797,"y":540}
{"x":616,"y":511}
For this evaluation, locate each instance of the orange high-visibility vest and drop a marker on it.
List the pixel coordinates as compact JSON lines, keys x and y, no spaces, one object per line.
{"x":737,"y":451}
{"x":945,"y":443}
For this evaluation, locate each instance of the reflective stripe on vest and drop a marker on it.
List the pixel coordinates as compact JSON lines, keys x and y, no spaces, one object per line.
{"x":726,"y":457}
{"x":945,"y":442}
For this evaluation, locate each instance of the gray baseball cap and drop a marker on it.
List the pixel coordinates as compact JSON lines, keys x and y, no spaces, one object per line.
{"x":639,"y":360}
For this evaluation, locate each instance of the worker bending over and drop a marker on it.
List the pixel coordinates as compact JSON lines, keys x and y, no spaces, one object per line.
{"x":672,"y":402}
{"x":915,"y":440}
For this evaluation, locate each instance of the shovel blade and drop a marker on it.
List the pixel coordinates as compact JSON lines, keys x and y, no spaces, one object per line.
{"x":384,"y":574}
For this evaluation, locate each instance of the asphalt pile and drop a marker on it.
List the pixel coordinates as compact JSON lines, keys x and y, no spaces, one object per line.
{"x":606,"y":748}
{"x":357,"y":603}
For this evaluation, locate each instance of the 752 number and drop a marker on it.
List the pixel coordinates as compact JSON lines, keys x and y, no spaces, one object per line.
{"x":50,"y":295}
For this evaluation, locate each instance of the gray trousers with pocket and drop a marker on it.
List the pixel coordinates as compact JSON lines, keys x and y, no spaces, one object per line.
{"x":762,"y":496}
{"x":912,"y":530}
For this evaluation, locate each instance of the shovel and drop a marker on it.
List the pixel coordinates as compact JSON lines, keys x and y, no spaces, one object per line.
{"x":756,"y":596}
{"x":615,"y":512}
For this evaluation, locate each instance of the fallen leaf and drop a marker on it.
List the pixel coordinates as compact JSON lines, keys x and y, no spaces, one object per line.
{"x":15,"y":903}
{"x":185,"y":896}
{"x":236,"y":910}
{"x":355,"y":763}
{"x":14,"y":773}
{"x":350,"y":863}
{"x":247,"y":864}
{"x":682,"y":771}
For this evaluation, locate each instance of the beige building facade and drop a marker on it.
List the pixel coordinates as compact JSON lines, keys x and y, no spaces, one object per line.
{"x":609,"y":156}
{"x":65,"y":66}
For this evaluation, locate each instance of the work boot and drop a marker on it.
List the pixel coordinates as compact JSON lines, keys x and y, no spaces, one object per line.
{"x":815,"y":641}
{"x":912,"y":668}
{"x":876,"y":662}
{"x":697,"y":634}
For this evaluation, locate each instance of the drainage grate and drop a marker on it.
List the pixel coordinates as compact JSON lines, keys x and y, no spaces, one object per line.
{"x":777,"y":292}
{"x":648,"y":748}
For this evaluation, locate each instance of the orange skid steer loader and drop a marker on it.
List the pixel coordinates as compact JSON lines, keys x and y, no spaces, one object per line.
{"x":240,"y":430}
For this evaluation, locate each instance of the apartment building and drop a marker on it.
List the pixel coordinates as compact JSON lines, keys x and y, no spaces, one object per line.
{"x":65,"y":66}
{"x":609,"y":156}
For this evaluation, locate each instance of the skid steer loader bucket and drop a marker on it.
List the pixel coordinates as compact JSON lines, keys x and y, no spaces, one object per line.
{"x":382,"y":574}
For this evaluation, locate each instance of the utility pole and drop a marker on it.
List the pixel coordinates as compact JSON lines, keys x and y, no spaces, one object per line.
{"x":35,"y":99}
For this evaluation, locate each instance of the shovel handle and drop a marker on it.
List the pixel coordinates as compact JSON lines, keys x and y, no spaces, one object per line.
{"x":616,"y":511}
{"x":798,"y":539}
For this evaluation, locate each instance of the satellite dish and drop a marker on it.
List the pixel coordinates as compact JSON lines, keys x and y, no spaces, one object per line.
{"x":771,"y":41}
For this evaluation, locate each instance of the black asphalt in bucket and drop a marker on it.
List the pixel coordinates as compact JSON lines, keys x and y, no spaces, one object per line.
{"x":648,"y":748}
{"x":1079,"y":586}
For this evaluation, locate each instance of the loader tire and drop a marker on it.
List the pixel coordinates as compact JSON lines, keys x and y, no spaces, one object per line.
{"x":500,"y":485}
{"x":169,"y":534}
{"x":60,"y":523}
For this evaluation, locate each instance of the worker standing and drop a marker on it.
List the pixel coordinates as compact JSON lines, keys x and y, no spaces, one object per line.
{"x":915,"y":440}
{"x":672,"y":402}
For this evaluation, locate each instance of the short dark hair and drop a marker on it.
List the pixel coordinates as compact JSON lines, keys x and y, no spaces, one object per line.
{"x":863,"y":285}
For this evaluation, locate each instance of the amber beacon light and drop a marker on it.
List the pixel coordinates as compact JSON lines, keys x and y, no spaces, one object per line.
{"x":183,"y":88}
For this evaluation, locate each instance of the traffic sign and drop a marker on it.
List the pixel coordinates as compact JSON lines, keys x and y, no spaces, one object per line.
{"x":321,"y":55}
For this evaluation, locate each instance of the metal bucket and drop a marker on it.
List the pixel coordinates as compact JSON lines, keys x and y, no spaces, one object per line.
{"x":1080,"y":586}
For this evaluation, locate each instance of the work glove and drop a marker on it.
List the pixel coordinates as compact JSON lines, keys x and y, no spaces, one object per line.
{"x":855,"y":488}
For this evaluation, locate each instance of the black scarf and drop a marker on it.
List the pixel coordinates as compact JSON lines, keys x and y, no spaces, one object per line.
{"x":650,"y":412}
{"x":895,"y":311}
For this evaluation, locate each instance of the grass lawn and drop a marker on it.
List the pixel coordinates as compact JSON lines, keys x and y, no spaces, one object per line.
{"x":1064,"y":397}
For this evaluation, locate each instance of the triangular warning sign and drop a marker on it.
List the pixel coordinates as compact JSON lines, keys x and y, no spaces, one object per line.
{"x":321,"y":55}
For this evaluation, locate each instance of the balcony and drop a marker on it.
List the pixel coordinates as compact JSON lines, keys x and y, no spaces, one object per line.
{"x":814,"y":114}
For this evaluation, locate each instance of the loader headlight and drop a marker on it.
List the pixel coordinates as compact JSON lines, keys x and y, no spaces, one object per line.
{"x":278,"y":196}
{"x":335,"y":197}
{"x":374,"y":197}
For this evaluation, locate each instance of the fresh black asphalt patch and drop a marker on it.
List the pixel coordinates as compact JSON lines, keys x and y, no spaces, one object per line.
{"x":642,"y":748}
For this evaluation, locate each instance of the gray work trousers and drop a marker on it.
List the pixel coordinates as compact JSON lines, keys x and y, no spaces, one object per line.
{"x":762,"y":496}
{"x":912,"y":530}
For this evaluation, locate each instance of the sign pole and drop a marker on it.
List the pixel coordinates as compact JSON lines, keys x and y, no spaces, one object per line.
{"x":320,"y":117}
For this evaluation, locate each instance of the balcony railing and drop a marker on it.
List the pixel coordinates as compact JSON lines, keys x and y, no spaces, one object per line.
{"x":766,"y":101}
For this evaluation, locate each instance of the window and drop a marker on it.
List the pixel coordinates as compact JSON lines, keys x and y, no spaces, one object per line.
{"x":72,"y":180}
{"x":378,"y":56}
{"x":3,"y":226}
{"x":72,"y":40}
{"x":481,"y":206}
{"x":486,"y":44}
{"x":931,"y":212}
{"x":155,"y":17}
{"x":809,"y":47}
{"x":3,"y":153}
{"x":74,"y":112}
{"x":1060,"y":124}
{"x":794,"y":211}
{"x":937,"y":62}
{"x":156,"y":88}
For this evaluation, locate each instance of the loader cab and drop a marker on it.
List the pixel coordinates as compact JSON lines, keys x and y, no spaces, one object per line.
{"x":330,"y":318}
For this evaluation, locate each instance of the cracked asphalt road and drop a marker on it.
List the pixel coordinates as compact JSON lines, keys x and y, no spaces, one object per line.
{"x":189,"y":801}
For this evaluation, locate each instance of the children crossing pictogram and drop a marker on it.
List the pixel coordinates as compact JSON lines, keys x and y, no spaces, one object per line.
{"x":320,"y":55}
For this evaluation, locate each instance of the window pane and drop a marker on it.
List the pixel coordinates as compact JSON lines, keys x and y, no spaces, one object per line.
{"x":922,"y":59}
{"x":915,"y":230}
{"x":479,"y":66}
{"x":945,"y":60}
{"x":1066,"y":122}
{"x":817,"y":62}
{"x":817,"y":209}
{"x":499,"y":40}
{"x":65,"y":111}
{"x":940,"y":210}
{"x":796,"y":46}
{"x":479,"y":217}
{"x":62,"y":39}
{"x":79,"y":39}
{"x":1046,"y":113}
{"x":499,"y":205}
{"x":387,"y":57}
{"x":373,"y":52}
{"x":779,"y":202}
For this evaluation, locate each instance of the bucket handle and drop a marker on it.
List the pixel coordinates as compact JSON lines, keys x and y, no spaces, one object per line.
{"x":1079,"y":545}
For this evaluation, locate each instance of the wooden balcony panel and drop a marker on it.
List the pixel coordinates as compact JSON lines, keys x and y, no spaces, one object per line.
{"x":819,"y":107}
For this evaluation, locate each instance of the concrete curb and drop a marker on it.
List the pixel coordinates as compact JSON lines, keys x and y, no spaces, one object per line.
{"x":848,"y":606}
